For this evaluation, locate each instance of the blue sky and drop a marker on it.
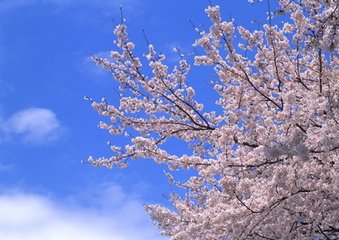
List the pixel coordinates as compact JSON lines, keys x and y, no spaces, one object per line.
{"x":46,"y":128}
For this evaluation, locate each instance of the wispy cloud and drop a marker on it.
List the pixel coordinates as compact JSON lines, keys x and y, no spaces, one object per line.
{"x":34,"y":125}
{"x":38,"y":217}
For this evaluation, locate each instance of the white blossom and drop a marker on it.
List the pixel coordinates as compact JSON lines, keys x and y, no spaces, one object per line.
{"x":265,"y":159}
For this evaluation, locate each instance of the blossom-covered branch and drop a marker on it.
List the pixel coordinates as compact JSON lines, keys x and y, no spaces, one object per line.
{"x":266,"y":159}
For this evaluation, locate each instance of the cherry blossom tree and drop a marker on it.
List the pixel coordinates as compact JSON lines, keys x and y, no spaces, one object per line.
{"x":264,"y":163}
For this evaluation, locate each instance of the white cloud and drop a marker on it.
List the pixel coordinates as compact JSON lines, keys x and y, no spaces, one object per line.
{"x":35,"y":125}
{"x":37,"y":217}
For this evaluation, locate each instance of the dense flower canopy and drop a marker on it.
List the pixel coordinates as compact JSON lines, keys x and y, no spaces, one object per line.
{"x":266,"y":159}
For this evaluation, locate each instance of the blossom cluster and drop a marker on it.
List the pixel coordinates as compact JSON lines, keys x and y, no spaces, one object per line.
{"x":266,"y":159}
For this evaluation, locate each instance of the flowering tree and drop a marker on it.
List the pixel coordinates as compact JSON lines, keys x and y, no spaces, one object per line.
{"x":266,"y":159}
